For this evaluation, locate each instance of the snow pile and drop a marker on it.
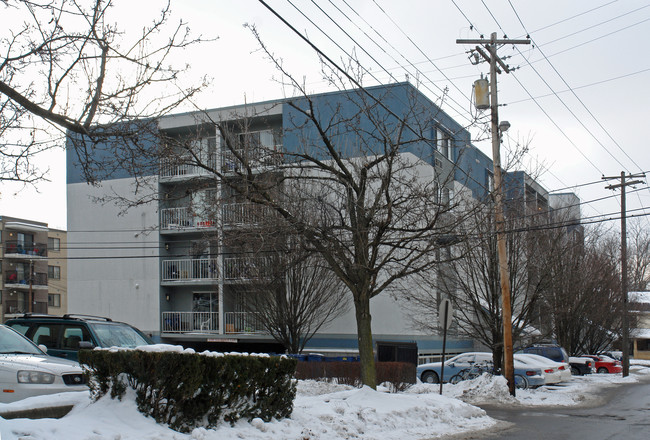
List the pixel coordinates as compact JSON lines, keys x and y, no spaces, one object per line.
{"x":361,"y":414}
{"x":161,"y":348}
{"x":321,"y":411}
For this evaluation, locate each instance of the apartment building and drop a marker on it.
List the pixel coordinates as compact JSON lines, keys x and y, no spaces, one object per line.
{"x":57,"y":272}
{"x":24,"y":266}
{"x":175,"y":266}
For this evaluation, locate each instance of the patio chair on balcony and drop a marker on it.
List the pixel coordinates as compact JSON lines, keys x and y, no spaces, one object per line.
{"x":205,"y":325}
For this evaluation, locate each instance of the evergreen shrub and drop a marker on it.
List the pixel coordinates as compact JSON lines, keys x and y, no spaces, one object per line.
{"x":189,"y":390}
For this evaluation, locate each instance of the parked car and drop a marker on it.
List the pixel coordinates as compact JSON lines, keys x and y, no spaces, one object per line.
{"x":581,"y":365}
{"x":63,"y":336}
{"x":26,"y":370}
{"x":616,"y":355}
{"x":551,"y":372}
{"x":559,"y":354}
{"x":430,"y":373}
{"x":605,"y":364}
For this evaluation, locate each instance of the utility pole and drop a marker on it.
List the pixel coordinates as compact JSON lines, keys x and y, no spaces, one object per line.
{"x":625,"y":321}
{"x":504,"y":272}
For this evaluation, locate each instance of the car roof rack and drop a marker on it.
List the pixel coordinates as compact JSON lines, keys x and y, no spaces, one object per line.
{"x":39,"y":315}
{"x":80,"y":316}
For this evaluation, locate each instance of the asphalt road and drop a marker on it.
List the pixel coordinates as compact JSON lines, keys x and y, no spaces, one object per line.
{"x":624,"y":414}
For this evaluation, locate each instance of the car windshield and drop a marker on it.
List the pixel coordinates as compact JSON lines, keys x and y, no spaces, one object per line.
{"x":13,"y":343}
{"x":118,"y":335}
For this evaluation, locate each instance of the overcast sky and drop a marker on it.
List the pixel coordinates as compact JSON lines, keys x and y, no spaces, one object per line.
{"x":578,"y":97}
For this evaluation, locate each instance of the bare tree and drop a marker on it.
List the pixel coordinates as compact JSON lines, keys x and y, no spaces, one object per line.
{"x":470,"y":279}
{"x":583,"y":302}
{"x":363,"y":187}
{"x":638,"y":251}
{"x":295,"y":298}
{"x":65,"y":65}
{"x":379,"y":209}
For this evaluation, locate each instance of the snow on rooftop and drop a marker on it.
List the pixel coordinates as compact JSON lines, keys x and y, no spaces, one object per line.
{"x":639,"y":297}
{"x":640,"y":333}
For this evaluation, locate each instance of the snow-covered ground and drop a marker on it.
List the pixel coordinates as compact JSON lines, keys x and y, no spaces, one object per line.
{"x":321,"y":411}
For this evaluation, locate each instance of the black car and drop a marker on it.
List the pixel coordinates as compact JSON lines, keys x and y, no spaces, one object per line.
{"x":579,"y":366}
{"x":63,"y":336}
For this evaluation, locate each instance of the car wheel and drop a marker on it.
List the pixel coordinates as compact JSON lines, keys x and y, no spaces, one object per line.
{"x":430,"y":377}
{"x":521,"y":382}
{"x":603,"y":370}
{"x":575,"y":371}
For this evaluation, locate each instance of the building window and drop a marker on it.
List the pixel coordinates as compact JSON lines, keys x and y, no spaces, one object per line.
{"x":53,"y":244}
{"x":54,"y":300}
{"x":54,"y":272}
{"x":643,"y":344}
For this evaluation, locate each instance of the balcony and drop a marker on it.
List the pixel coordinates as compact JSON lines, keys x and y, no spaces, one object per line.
{"x":255,"y":157}
{"x":182,"y":218}
{"x":190,"y":270}
{"x":15,"y":308}
{"x":243,"y":323}
{"x":27,"y":251}
{"x":247,"y":268}
{"x":185,"y":322}
{"x":20,"y":280}
{"x":240,"y":214}
{"x":185,"y":167}
{"x":208,"y":322}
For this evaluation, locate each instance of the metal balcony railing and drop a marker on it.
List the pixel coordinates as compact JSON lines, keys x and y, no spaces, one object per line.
{"x":255,"y":157}
{"x":184,"y":322}
{"x":190,"y":269}
{"x":26,"y":249}
{"x":245,"y":214}
{"x":247,"y":268}
{"x":19,"y":307}
{"x":243,"y":322}
{"x":186,"y":167}
{"x":181,"y":218}
{"x":15,"y":277}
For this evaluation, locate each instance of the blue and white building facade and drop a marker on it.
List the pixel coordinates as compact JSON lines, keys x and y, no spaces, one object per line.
{"x":166,"y":268}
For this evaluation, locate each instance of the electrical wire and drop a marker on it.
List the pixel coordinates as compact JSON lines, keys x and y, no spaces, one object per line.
{"x":578,"y":98}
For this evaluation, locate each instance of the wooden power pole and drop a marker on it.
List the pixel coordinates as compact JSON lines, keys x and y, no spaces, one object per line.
{"x":625,"y":318}
{"x":504,"y":273}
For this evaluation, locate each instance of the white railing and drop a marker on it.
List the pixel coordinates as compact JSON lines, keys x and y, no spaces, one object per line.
{"x":245,"y":213}
{"x":190,"y":269}
{"x":255,"y":157}
{"x":183,"y":322}
{"x":180,"y":218}
{"x":247,"y":268}
{"x":243,"y":322}
{"x":183,"y":167}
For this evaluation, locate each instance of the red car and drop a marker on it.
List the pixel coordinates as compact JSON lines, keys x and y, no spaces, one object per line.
{"x":605,"y":364}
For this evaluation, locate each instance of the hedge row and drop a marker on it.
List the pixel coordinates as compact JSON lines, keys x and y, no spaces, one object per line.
{"x":399,"y":374}
{"x":186,"y":390}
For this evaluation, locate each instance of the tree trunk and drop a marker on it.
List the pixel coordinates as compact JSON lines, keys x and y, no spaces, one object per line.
{"x":364,"y":335}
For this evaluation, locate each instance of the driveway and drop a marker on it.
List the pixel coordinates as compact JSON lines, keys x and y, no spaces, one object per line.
{"x":621,"y":413}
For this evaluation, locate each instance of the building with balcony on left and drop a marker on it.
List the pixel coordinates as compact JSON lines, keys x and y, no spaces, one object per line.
{"x":24,"y":267}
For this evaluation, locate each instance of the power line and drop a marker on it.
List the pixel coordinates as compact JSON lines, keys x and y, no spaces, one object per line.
{"x":577,"y":97}
{"x":584,"y":29}
{"x":583,"y":86}
{"x":574,"y":16}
